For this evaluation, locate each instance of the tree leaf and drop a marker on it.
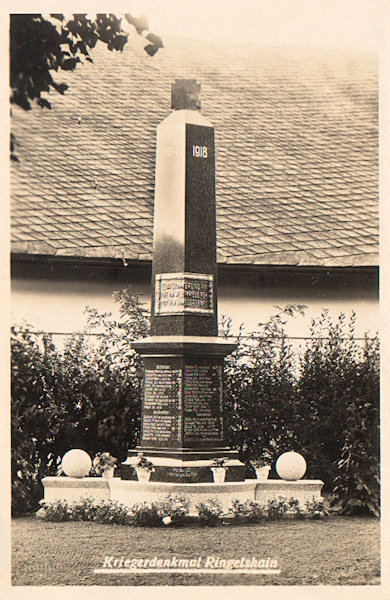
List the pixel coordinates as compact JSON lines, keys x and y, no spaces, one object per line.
{"x":155,"y":40}
{"x":43,"y":103}
{"x":140,"y":23}
{"x":151,"y":50}
{"x":70,"y":64}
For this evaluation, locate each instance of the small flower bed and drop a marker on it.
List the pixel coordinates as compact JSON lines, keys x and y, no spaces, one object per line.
{"x":146,"y":514}
{"x":85,"y":509}
{"x":210,"y":512}
{"x":275,"y":509}
{"x":247,"y":512}
{"x":173,"y":511}
{"x":295,"y":510}
{"x":316,"y":509}
{"x":108,"y":511}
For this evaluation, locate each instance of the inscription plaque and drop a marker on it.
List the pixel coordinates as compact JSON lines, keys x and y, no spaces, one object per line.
{"x":181,"y":473}
{"x":203,"y":421}
{"x":180,"y":293}
{"x":162,"y":419}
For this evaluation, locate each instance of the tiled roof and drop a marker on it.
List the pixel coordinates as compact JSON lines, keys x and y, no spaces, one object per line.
{"x":296,"y":155}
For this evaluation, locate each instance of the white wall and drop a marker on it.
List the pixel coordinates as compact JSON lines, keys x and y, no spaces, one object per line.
{"x":58,"y":305}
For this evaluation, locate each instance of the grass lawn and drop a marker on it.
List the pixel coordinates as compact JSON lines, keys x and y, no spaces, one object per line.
{"x":338,"y":551}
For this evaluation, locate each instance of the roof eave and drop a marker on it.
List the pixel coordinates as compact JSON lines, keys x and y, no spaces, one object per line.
{"x":348,"y":263}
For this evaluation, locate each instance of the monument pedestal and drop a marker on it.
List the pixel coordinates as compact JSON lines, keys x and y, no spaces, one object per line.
{"x":182,"y":411}
{"x":184,"y":470}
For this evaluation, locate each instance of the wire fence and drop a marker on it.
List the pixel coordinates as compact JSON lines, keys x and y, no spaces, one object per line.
{"x":247,"y":344}
{"x":232,"y":336}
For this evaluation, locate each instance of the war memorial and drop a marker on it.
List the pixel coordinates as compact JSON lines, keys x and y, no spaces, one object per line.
{"x":182,"y":420}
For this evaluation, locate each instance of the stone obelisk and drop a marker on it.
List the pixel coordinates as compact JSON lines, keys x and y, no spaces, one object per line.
{"x":182,"y":417}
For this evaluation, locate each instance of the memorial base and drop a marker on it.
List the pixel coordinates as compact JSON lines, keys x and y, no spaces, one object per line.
{"x":186,"y":466}
{"x":182,"y":425}
{"x":132,"y":492}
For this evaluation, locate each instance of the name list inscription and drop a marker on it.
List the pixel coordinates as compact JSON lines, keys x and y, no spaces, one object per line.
{"x":203,"y":403}
{"x":192,"y":394}
{"x":162,"y":418}
{"x":180,"y":293}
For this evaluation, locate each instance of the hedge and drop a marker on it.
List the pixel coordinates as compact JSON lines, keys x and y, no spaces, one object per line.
{"x":323,"y":403}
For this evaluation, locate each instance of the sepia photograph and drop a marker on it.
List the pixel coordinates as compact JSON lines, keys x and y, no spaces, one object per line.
{"x":194,"y":272}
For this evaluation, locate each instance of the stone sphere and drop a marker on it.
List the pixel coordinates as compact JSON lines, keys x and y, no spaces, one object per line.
{"x":76,"y":463}
{"x":291,"y":466}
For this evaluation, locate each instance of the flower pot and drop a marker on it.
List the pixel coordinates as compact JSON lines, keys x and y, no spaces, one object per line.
{"x":219,"y":474}
{"x":143,"y":475}
{"x":108,"y":473}
{"x":262,"y":473}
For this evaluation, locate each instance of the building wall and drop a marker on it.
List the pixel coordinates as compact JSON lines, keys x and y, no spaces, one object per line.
{"x":250,"y":296}
{"x":53,"y":297}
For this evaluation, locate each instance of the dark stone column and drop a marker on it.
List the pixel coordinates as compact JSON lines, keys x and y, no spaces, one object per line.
{"x":182,"y":406}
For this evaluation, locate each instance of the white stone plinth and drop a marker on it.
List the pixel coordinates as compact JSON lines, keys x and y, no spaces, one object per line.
{"x":131,"y":492}
{"x":72,"y":488}
{"x":302,"y":490}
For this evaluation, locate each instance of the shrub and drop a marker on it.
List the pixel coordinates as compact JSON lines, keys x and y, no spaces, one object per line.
{"x":86,"y":509}
{"x":147,"y":514}
{"x":247,"y":512}
{"x":278,"y":401}
{"x":316,"y":509}
{"x":294,"y":509}
{"x":36,"y":419}
{"x":109,"y":511}
{"x":329,"y":384}
{"x":275,"y":509}
{"x":209,"y":512}
{"x":56,"y":511}
{"x":176,"y":507}
{"x":26,"y":486}
{"x":357,"y":485}
{"x":82,"y":510}
{"x":260,"y":390}
{"x":87,"y":396}
{"x":324,"y":405}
